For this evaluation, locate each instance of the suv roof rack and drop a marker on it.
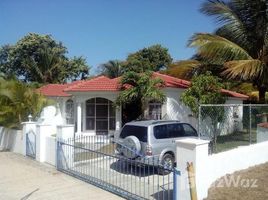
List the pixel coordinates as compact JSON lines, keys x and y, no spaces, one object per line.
{"x":164,"y":121}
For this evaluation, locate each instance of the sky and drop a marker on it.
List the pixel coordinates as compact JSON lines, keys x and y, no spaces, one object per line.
{"x":103,"y":30}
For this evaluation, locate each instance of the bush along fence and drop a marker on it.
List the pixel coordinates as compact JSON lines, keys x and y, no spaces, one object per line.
{"x":231,"y":125}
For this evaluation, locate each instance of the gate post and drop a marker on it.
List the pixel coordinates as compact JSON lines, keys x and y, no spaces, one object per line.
{"x":65,"y":146}
{"x":42,"y":131}
{"x":196,"y":151}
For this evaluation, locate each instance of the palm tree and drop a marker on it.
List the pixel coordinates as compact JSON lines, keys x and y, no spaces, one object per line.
{"x":112,"y":68}
{"x":138,"y":90}
{"x":17,"y":101}
{"x":240,"y":43}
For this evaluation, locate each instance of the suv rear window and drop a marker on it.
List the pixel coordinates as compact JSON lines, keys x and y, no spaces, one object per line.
{"x":139,"y":131}
{"x":189,"y":130}
{"x":168,"y":131}
{"x":173,"y":131}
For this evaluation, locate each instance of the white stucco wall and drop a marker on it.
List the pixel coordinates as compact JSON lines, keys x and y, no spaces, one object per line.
{"x":175,"y":110}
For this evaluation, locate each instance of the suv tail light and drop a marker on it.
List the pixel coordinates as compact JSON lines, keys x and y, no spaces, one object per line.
{"x":148,"y":150}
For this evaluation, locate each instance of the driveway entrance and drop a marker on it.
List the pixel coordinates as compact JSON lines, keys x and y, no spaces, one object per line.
{"x":25,"y":179}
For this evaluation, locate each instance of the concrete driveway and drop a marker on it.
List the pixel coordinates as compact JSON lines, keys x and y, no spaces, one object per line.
{"x":24,"y":179}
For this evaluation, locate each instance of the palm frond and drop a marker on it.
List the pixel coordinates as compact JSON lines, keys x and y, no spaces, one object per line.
{"x":214,"y":48}
{"x":235,"y":35}
{"x":244,"y":69}
{"x":183,"y":69}
{"x":227,"y":14}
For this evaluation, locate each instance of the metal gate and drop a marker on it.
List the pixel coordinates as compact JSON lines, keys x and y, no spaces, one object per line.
{"x":93,"y":159}
{"x":31,"y":144}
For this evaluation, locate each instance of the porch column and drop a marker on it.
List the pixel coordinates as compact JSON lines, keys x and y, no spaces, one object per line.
{"x":118,"y":118}
{"x":79,"y":117}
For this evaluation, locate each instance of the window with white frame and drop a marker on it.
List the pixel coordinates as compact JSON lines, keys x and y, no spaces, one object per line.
{"x":155,"y":110}
{"x":69,"y":111}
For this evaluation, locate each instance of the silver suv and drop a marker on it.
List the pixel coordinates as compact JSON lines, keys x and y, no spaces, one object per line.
{"x":153,"y":139}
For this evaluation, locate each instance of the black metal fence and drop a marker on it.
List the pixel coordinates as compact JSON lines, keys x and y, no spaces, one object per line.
{"x":95,"y":159}
{"x":231,"y":125}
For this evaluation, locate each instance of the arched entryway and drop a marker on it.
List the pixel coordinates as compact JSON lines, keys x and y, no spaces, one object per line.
{"x":100,"y":116}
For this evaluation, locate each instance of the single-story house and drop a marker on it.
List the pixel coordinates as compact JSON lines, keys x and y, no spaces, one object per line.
{"x":89,"y":103}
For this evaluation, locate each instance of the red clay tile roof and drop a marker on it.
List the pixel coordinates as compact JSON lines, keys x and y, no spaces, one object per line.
{"x":54,"y":90}
{"x":180,"y":83}
{"x":172,"y":81}
{"x":102,"y":83}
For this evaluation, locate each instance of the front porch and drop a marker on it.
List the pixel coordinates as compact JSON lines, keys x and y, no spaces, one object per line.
{"x":96,"y":115}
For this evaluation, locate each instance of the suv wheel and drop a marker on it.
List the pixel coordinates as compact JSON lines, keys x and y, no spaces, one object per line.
{"x":167,"y":163}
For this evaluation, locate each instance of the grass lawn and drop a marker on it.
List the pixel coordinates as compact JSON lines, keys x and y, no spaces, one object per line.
{"x":230,"y":141}
{"x":87,"y":155}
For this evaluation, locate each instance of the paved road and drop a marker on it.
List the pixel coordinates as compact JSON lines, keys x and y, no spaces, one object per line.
{"x":24,"y":179}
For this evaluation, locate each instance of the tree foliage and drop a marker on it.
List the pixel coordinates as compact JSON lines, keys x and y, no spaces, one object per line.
{"x":240,"y":42}
{"x":153,"y":58}
{"x":39,"y":58}
{"x":205,"y":89}
{"x":17,"y":101}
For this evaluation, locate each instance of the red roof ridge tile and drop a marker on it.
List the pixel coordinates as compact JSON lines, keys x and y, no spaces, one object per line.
{"x":263,"y":124}
{"x":234,"y":94}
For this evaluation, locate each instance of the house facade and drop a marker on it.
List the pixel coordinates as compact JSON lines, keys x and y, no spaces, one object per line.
{"x":89,"y":104}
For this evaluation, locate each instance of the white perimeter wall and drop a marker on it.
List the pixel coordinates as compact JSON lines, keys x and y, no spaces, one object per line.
{"x":208,"y":168}
{"x":11,"y":140}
